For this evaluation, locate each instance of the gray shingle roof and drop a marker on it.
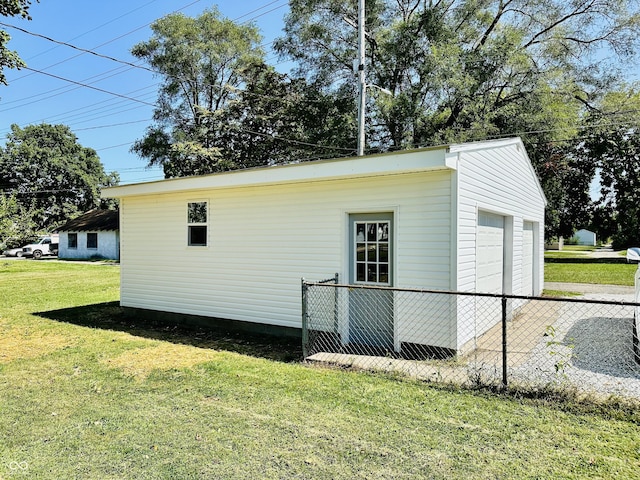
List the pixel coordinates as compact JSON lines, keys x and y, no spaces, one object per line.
{"x":93,"y":220}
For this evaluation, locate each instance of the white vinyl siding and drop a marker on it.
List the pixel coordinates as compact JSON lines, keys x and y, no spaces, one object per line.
{"x":264,"y":239}
{"x":495,"y":178}
{"x":108,"y":245}
{"x":498,"y":180}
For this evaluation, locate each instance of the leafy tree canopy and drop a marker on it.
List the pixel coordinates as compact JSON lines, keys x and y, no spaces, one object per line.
{"x":16,"y":226}
{"x":613,"y":147}
{"x":465,"y":69}
{"x":201,"y":61}
{"x":51,"y":176}
{"x":458,"y":70}
{"x":8,"y":58}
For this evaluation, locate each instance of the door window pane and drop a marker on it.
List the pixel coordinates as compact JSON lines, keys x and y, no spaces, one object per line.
{"x":383,"y":273}
{"x":371,"y":232}
{"x":383,"y":231}
{"x":360,"y":273}
{"x":384,"y":253}
{"x":372,"y":252}
{"x":372,"y":273}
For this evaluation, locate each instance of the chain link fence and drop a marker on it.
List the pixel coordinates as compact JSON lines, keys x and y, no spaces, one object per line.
{"x":590,"y":346}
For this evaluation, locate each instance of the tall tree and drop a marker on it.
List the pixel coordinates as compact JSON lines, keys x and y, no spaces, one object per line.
{"x":8,"y":58}
{"x":276,"y":119}
{"x":613,"y":147}
{"x":566,"y":178}
{"x":50,"y":174}
{"x":201,"y":62}
{"x":465,"y":69}
{"x":16,"y":226}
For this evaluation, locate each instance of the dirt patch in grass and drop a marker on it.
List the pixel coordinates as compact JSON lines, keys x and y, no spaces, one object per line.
{"x":17,"y":344}
{"x":139,"y":363}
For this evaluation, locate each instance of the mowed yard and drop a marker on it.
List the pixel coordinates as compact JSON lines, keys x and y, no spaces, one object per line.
{"x":87,"y":393}
{"x":573,"y":265}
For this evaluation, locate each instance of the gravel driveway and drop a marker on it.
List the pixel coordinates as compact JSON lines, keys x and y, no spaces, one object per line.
{"x":591,"y":348}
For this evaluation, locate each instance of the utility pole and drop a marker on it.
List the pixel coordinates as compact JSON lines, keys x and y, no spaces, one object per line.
{"x":362,"y":81}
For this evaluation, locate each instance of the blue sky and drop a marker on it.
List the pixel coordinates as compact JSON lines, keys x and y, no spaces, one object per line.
{"x":103,"y":121}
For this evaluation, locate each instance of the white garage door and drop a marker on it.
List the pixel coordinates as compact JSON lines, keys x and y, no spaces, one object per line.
{"x":527,"y":258}
{"x":489,"y":253}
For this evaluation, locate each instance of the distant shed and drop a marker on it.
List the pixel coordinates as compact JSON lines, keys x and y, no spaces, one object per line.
{"x":586,"y":237}
{"x":96,"y":234}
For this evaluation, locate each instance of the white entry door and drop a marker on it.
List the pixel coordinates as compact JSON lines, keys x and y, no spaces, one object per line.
{"x":371,"y":311}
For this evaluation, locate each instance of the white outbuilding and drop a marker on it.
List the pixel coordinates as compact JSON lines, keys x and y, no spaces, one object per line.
{"x":233,"y":246}
{"x":94,"y":234}
{"x":586,"y":237}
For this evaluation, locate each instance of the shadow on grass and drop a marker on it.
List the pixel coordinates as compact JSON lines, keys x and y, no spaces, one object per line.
{"x":110,"y":316}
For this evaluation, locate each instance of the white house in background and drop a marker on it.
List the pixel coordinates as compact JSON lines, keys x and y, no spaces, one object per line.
{"x":586,"y":237}
{"x":92,"y":235}
{"x":234,"y":245}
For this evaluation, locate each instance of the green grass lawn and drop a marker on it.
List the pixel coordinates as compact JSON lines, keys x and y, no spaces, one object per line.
{"x":604,"y":273}
{"x":578,"y":248}
{"x":566,"y":253}
{"x":87,"y":393}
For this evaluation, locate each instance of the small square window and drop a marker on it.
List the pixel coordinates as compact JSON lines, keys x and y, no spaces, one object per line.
{"x":92,"y":240}
{"x":72,"y":240}
{"x":197,"y":217}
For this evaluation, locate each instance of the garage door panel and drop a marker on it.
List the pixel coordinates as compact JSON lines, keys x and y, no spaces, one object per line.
{"x":489,"y":253}
{"x":527,"y":258}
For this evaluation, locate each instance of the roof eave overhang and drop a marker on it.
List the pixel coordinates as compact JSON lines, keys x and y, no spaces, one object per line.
{"x":407,"y":161}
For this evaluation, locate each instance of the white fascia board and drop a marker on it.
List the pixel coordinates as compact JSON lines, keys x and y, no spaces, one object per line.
{"x":484,"y":144}
{"x":353,"y":167}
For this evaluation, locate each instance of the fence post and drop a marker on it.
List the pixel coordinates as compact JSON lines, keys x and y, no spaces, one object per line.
{"x":335,"y":305}
{"x":504,"y":341}
{"x":305,"y":331}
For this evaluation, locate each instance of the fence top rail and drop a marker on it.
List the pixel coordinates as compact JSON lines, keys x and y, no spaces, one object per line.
{"x":470,"y":294}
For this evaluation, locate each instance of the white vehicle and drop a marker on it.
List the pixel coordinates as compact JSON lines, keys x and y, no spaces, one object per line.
{"x":46,"y":245}
{"x":633,"y":255}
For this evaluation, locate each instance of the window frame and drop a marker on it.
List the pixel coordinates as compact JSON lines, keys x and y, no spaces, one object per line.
{"x":96,"y":237}
{"x":195,"y":224}
{"x":373,"y":252}
{"x":73,"y":235}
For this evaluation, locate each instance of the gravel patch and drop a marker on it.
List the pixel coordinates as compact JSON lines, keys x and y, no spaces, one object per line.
{"x":590,"y":349}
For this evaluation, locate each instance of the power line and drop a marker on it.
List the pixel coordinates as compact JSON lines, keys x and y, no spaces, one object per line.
{"x":60,"y":90}
{"x":84,"y":50}
{"x":260,"y":8}
{"x":111,"y":125}
{"x":89,"y":86}
{"x":265,"y":13}
{"x":100,"y":26}
{"x":132,"y":65}
{"x":102,"y":44}
{"x":289,"y":140}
